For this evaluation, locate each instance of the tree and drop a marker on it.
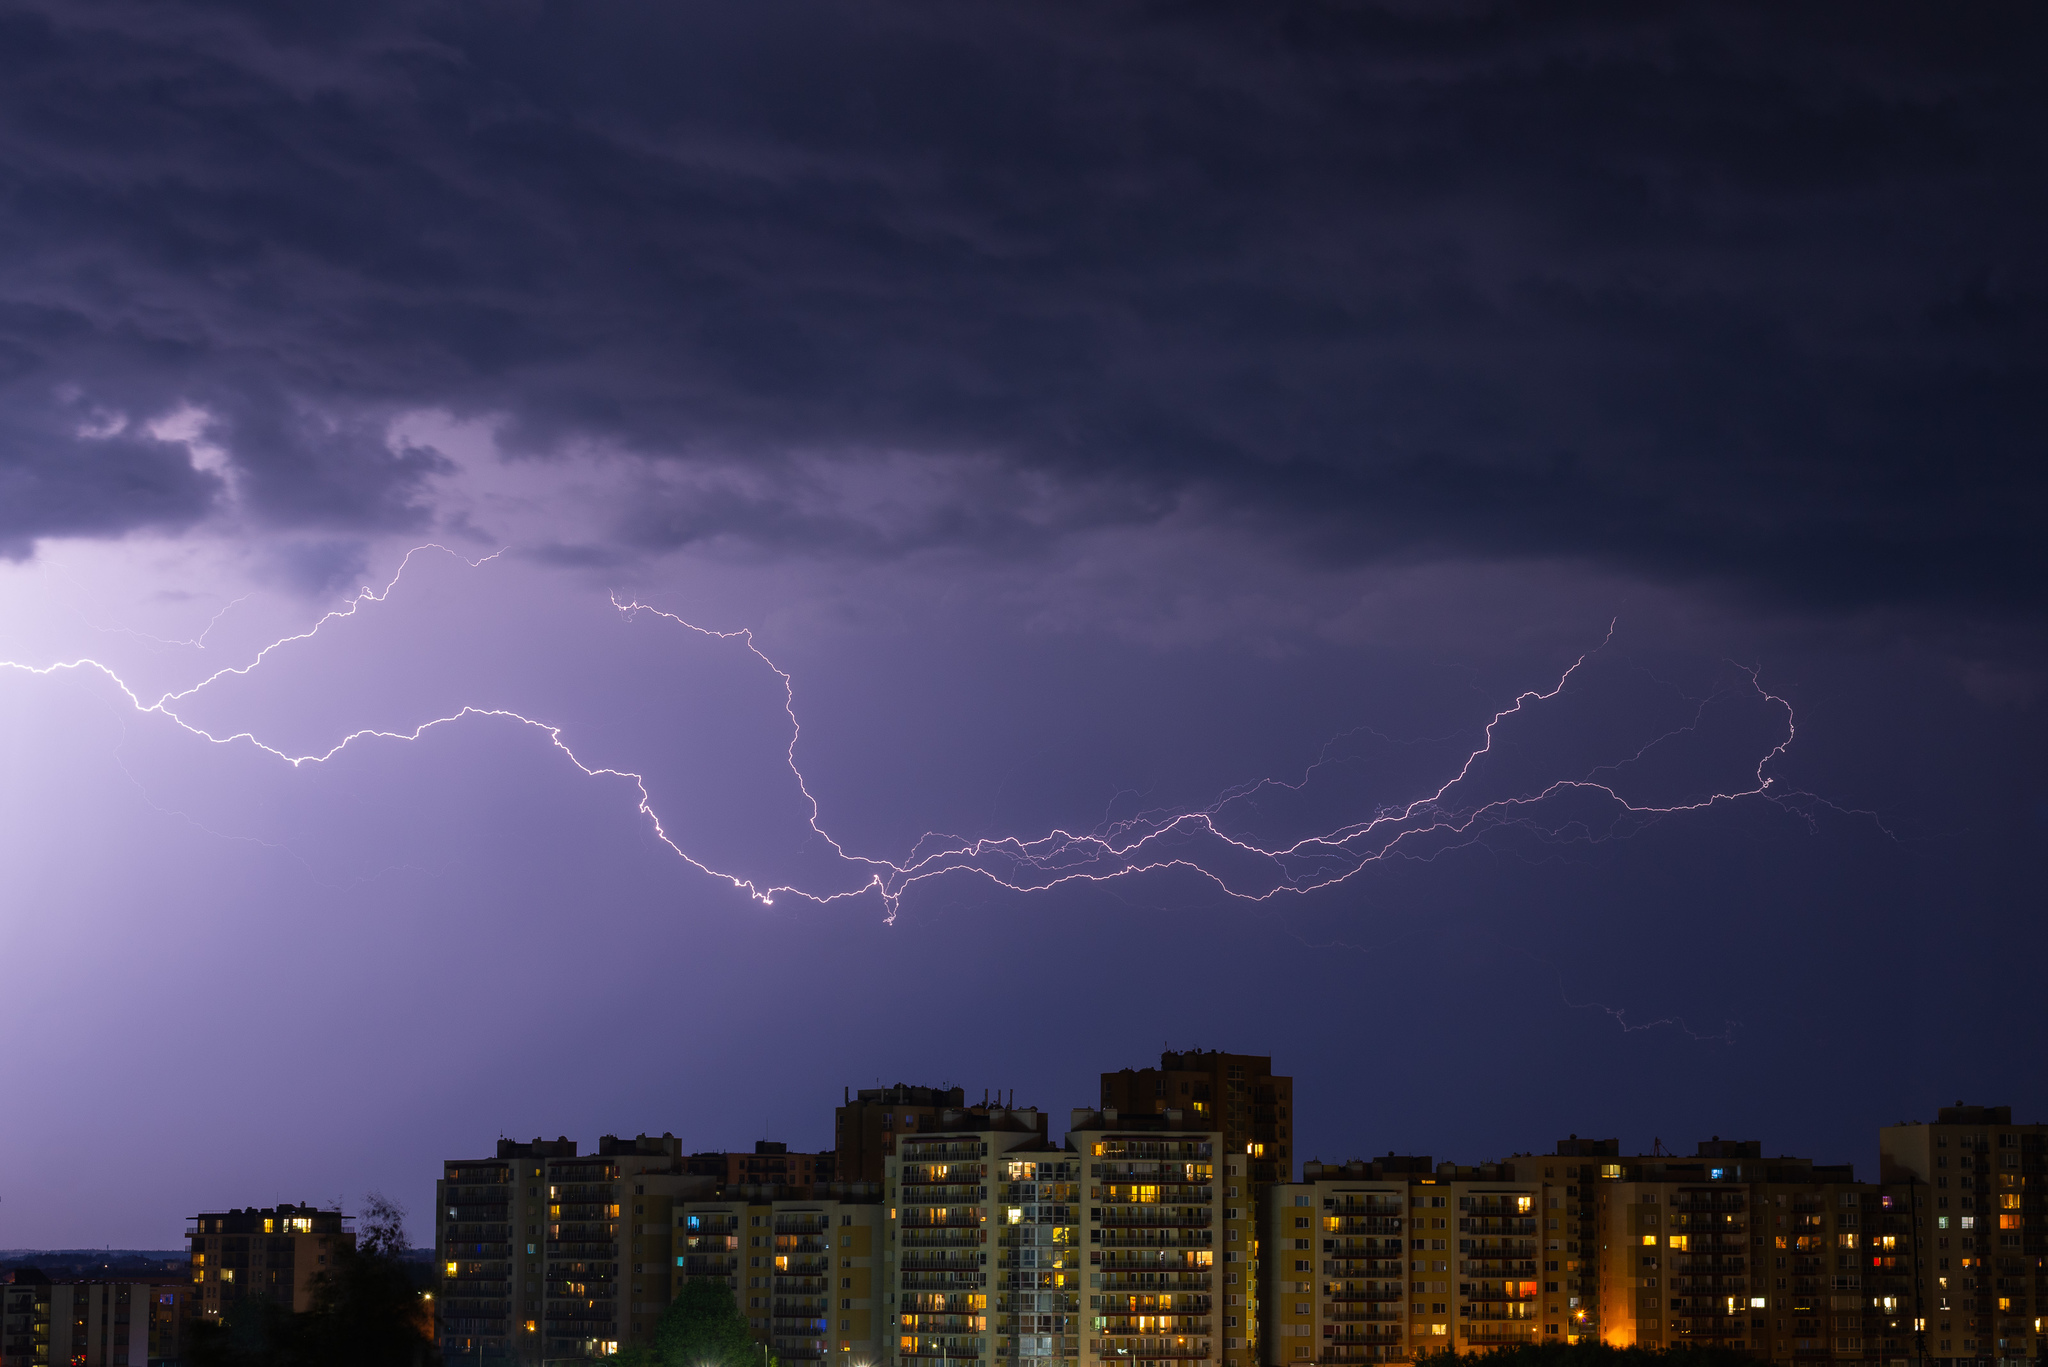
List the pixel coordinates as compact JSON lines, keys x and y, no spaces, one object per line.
{"x":703,"y":1327}
{"x":367,"y":1312}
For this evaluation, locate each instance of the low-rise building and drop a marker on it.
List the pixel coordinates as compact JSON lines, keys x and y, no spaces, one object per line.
{"x":803,"y":1266}
{"x":112,"y":1322}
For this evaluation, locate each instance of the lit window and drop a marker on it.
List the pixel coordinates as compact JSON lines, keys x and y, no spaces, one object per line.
{"x":1649,"y":1241}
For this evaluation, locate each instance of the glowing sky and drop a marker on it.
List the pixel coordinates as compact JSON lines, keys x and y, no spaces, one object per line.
{"x":1181,"y":430}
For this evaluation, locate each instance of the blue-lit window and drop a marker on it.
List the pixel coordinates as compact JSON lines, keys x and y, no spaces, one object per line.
{"x":693,"y":1222}
{"x":1716,"y":1174}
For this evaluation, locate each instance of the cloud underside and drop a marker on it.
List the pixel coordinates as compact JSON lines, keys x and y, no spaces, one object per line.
{"x":1751,"y":297}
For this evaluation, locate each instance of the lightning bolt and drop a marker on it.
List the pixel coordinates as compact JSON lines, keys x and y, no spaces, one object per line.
{"x":1195,"y":840}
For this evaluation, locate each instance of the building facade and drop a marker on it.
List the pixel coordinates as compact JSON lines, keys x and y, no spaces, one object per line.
{"x":1981,"y":1189}
{"x":866,"y":1126}
{"x":769,"y":1164}
{"x":548,"y":1255}
{"x":943,"y":1189}
{"x":278,"y":1253}
{"x":1391,"y":1259}
{"x":804,"y":1268}
{"x":94,"y":1323}
{"x":1240,"y":1095}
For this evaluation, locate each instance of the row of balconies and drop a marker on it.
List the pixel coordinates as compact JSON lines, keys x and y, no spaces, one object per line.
{"x":1363,"y":1267}
{"x":1147,"y":1283}
{"x":941,"y":1281}
{"x":460,"y":1249}
{"x":940,"y":1193}
{"x":1149,"y":1348}
{"x":1196,"y":1303}
{"x":1155,"y":1217}
{"x":1153,"y":1324}
{"x":944,"y":1324}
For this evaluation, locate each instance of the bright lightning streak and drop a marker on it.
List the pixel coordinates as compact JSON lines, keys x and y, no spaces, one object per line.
{"x":1192,"y":840}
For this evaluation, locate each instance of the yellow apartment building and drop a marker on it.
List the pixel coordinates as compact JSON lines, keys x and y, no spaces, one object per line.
{"x":805,"y":1271}
{"x":1393,"y":1258}
{"x":1240,"y":1095}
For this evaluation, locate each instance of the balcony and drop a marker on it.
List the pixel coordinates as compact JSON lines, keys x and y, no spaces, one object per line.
{"x":1145,"y":1217}
{"x":1156,"y":1350}
{"x":1155,"y":1236}
{"x":1362,"y":1267}
{"x":1155,"y":1283}
{"x":1195,"y":1304}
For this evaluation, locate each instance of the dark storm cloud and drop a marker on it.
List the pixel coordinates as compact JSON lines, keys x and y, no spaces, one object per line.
{"x":1748,"y":294}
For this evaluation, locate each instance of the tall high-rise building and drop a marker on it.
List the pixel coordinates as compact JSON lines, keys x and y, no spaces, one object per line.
{"x":943,"y":1188}
{"x":1126,"y":1214}
{"x":866,"y":1126}
{"x":1154,"y":1212}
{"x":1238,"y":1095}
{"x":115,"y":1322}
{"x":1980,"y":1184}
{"x":547,"y":1253}
{"x":1394,"y":1258}
{"x":278,"y":1253}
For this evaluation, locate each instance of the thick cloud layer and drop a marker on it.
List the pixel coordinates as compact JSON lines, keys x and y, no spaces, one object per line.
{"x":1750,"y":296}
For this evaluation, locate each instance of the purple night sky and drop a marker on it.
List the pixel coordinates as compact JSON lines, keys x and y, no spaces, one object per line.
{"x":1180,"y":427}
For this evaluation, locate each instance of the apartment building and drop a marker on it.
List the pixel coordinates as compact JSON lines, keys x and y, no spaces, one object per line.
{"x":1730,"y":1249}
{"x":1780,"y":1258}
{"x":805,"y":1268}
{"x":1154,"y":1217}
{"x":866,"y":1126}
{"x":943,"y":1189}
{"x":278,"y":1253}
{"x":1981,"y":1182}
{"x":550,"y":1255}
{"x":770,"y":1163}
{"x":1239,"y":1095}
{"x":92,"y":1323}
{"x":1387,"y":1259}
